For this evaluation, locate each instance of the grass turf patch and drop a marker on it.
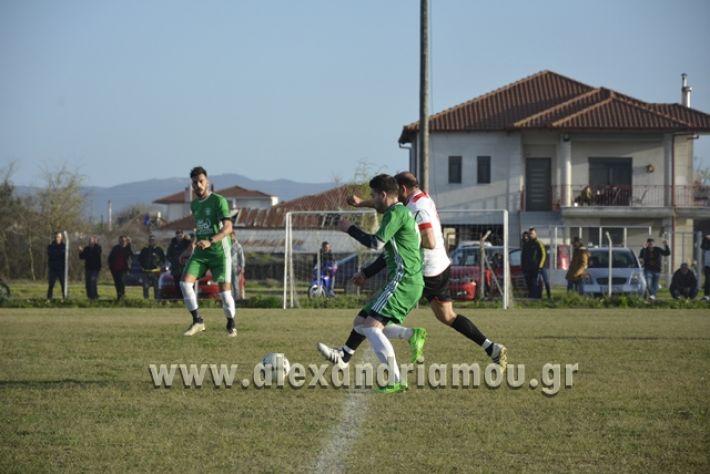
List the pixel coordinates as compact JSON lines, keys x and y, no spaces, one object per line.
{"x":77,"y":395}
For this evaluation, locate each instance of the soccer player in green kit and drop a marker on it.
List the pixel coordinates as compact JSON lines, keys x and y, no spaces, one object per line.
{"x":399,"y":237}
{"x":211,"y":250}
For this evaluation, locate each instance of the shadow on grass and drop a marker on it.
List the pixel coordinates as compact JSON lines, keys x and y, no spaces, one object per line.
{"x":53,"y":383}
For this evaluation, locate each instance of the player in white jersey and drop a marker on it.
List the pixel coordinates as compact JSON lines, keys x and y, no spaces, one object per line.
{"x":437,"y":266}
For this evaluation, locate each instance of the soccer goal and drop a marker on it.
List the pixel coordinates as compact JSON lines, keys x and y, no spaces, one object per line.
{"x":477,"y":274}
{"x":310,"y":272}
{"x":465,"y":232}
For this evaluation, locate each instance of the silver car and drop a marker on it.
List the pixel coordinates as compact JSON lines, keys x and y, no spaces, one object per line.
{"x":626,"y":273}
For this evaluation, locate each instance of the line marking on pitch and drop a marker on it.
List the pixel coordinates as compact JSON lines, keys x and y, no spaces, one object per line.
{"x":339,"y":441}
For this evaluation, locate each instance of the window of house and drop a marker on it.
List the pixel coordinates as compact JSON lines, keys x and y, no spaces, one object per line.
{"x":455,"y":171}
{"x":484,"y":169}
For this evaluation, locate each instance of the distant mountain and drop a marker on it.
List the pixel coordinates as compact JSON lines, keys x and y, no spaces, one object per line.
{"x":123,"y":196}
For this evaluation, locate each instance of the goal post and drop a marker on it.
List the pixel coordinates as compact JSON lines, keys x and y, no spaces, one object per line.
{"x":304,"y":233}
{"x":487,"y":228}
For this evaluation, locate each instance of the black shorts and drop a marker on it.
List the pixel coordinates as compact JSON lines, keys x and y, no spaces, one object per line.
{"x":437,"y":287}
{"x":377,"y":317}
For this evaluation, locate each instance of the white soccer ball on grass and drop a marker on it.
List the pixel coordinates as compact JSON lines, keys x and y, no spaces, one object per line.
{"x":273,"y":363}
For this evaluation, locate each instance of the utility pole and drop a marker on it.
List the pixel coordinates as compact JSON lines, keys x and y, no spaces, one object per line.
{"x":423,"y":148}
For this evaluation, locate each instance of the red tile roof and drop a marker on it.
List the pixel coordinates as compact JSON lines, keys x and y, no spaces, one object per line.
{"x":231,"y":192}
{"x":275,"y":217}
{"x":171,"y":199}
{"x":548,"y":100}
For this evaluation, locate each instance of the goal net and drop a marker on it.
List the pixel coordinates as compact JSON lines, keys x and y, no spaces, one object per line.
{"x":475,"y":275}
{"x":314,"y":272}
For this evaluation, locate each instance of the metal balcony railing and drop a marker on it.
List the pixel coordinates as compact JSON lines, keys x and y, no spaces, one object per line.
{"x":695,"y":196}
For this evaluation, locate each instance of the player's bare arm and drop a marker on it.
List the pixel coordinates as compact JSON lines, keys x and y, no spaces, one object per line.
{"x":428,"y":238}
{"x":187,"y":253}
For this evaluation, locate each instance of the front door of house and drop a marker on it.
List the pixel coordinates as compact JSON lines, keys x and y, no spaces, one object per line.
{"x":538,"y":184}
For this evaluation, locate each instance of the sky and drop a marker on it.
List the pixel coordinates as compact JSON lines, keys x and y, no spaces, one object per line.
{"x":308,"y":90}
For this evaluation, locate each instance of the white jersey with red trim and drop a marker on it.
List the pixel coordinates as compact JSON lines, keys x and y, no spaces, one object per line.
{"x":423,"y":208}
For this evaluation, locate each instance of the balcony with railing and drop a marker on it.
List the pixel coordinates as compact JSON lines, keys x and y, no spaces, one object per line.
{"x":637,"y":196}
{"x":617,"y":196}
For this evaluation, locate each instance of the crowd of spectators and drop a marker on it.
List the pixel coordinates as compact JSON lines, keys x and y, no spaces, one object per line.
{"x":152,"y":261}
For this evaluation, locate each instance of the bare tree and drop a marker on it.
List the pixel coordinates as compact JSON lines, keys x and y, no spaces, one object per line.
{"x":61,"y":202}
{"x":702,"y":172}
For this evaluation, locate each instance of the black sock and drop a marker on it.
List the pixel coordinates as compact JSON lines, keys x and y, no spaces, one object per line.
{"x":353,"y":342}
{"x":464,"y":325}
{"x":195,"y":316}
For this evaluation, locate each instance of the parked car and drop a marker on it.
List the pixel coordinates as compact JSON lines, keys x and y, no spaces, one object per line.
{"x":466,"y":270}
{"x":205,"y":289}
{"x":626,"y":273}
{"x":516,"y":268}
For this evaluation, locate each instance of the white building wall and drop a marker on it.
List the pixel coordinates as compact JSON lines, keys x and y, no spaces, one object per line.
{"x":175,"y":211}
{"x":683,"y":151}
{"x":250,"y":203}
{"x":508,"y":152}
{"x":643,"y":150}
{"x":503,"y":192}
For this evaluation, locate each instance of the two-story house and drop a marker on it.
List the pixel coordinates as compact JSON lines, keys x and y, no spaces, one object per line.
{"x":556,"y":152}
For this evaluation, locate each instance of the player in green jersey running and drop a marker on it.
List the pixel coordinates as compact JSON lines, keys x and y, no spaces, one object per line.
{"x":399,"y":237}
{"x":211,"y":250}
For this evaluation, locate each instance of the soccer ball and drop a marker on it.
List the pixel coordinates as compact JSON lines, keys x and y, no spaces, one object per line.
{"x":273,"y":362}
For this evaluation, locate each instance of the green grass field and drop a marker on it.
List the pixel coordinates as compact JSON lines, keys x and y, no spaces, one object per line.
{"x":76,"y":395}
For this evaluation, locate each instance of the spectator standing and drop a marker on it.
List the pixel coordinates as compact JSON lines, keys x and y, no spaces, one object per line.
{"x":526,"y":264}
{"x":684,"y":283}
{"x":705,"y":246}
{"x":651,"y":257}
{"x":238,"y":264}
{"x":533,"y":260}
{"x":578,"y":266}
{"x":91,"y":254}
{"x":328,"y":267}
{"x":119,"y":262}
{"x":152,"y":260}
{"x":56,"y":259}
{"x":177,"y":246}
{"x":542,"y":266}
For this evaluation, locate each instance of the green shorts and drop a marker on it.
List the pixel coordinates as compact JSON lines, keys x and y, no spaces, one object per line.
{"x":396,"y":299}
{"x":215,"y":260}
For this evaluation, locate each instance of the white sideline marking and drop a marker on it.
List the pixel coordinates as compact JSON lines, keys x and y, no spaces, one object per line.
{"x":338,"y":442}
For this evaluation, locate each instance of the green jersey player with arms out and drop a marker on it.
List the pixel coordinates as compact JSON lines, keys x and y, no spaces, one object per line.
{"x":399,"y":237}
{"x":211,"y":250}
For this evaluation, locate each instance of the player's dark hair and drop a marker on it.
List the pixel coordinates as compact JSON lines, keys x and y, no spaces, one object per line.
{"x":405,"y":178}
{"x":196,"y":171}
{"x":386,"y":183}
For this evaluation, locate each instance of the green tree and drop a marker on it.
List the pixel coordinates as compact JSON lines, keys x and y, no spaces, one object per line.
{"x":11,"y":210}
